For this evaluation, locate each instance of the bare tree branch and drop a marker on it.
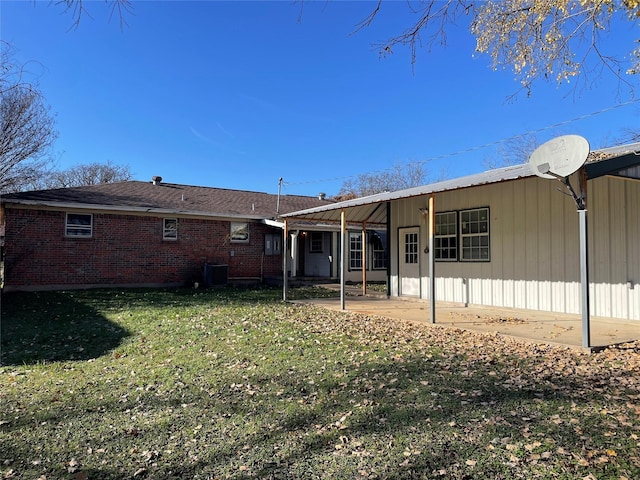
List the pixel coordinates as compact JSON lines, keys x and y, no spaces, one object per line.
{"x":86,"y":174}
{"x":26,"y":128}
{"x":398,"y":177}
{"x":78,"y":10}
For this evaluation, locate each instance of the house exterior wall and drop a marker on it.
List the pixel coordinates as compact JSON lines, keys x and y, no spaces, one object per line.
{"x":326,"y":263}
{"x":125,"y":249}
{"x":355,"y":274}
{"x":534,"y":247}
{"x":317,"y":263}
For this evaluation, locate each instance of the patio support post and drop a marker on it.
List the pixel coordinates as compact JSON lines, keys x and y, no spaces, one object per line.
{"x":285,"y":235}
{"x":343,"y":230}
{"x":363,"y":255}
{"x":432,"y":256}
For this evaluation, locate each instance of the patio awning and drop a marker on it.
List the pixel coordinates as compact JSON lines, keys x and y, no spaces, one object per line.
{"x":621,"y":161}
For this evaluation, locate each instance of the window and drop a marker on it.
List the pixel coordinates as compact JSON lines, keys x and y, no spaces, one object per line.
{"x":410,"y":248}
{"x":79,"y":225}
{"x":316,"y":242}
{"x":240,"y":232}
{"x":378,"y":249}
{"x":445,"y":242}
{"x":355,"y":251}
{"x":474,"y":235}
{"x":170,"y":229}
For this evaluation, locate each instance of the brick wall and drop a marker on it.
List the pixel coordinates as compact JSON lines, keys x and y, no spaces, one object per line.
{"x":126,"y":249}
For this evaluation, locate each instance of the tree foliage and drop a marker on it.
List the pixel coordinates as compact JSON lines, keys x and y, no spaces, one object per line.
{"x":26,"y":128}
{"x":398,"y":177}
{"x":554,"y":40}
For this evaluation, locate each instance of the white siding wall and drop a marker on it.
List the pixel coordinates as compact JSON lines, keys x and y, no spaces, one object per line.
{"x":317,"y":264}
{"x":615,"y":243}
{"x":535,"y":250}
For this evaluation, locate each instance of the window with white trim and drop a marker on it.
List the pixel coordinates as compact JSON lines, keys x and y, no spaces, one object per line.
{"x":355,"y":251}
{"x":445,"y":241}
{"x":316,"y":243}
{"x":378,"y":252}
{"x":79,"y":225}
{"x":410,"y":248}
{"x":474,"y":235}
{"x":170,"y":229}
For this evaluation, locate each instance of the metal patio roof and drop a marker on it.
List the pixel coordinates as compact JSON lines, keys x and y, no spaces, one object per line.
{"x":372,"y":209}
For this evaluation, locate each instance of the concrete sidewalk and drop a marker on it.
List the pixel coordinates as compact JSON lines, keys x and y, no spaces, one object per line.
{"x":531,"y":325}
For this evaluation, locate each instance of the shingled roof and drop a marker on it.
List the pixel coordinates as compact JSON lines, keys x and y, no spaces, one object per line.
{"x":167,"y":198}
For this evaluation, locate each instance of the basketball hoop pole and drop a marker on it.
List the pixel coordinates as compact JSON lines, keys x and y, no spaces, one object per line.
{"x":581,"y":205}
{"x":584,"y":259}
{"x":584,"y":278}
{"x":559,"y":158}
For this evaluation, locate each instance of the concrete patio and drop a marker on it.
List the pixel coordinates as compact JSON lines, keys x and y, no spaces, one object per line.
{"x":529,"y":325}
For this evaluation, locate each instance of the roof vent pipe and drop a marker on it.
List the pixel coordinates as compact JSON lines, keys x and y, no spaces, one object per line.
{"x":322,"y":196}
{"x":156,"y":179}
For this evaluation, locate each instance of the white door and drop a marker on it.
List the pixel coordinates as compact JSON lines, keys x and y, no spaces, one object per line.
{"x":409,"y":241}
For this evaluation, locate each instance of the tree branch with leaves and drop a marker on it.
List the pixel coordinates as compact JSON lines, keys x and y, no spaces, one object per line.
{"x":550,"y":40}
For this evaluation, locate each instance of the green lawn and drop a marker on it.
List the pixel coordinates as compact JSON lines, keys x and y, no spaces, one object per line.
{"x":232,"y":383}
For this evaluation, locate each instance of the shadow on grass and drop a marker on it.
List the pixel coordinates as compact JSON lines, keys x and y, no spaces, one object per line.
{"x":41,"y":327}
{"x":71,"y":325}
{"x":363,"y":420}
{"x":237,"y":416}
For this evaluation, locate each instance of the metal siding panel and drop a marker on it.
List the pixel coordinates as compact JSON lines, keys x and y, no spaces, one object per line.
{"x":632,"y":199}
{"x":497,"y":211}
{"x":571,"y":254}
{"x":600,"y":248}
{"x":531,"y":244}
{"x":519,"y":242}
{"x":558,"y":248}
{"x":505,"y":220}
{"x":545,"y":234}
{"x":617,"y":254}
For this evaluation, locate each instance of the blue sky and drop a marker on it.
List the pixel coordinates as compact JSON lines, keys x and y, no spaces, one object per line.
{"x":239,"y":94}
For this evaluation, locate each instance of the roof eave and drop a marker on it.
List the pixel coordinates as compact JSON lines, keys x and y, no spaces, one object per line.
{"x":117,"y":208}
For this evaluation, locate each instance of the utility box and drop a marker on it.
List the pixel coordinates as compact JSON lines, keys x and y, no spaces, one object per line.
{"x":215,"y":275}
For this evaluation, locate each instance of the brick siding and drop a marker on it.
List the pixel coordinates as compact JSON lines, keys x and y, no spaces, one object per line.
{"x":126,"y":249}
